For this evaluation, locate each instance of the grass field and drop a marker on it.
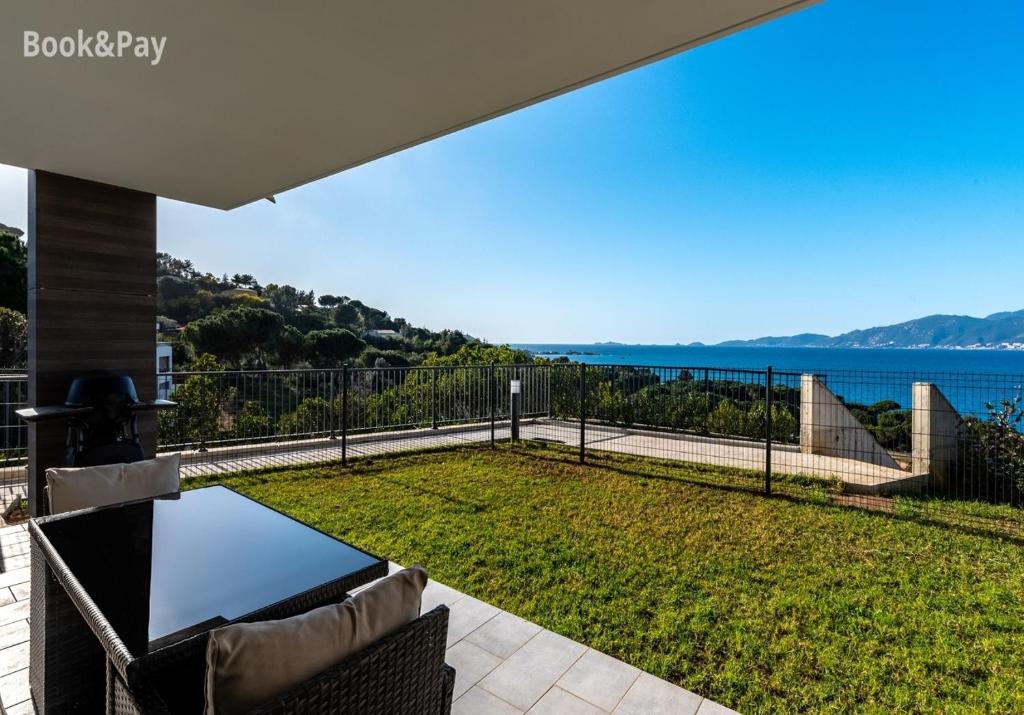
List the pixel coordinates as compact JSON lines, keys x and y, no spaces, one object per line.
{"x":763,"y":604}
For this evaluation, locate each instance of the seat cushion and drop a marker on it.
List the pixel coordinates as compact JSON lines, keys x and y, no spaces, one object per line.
{"x":71,"y":488}
{"x":249,"y":663}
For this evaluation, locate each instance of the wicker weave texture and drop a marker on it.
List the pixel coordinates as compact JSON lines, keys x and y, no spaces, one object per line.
{"x":403,"y":674}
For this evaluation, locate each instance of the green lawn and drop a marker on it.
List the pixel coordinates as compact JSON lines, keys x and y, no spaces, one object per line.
{"x":763,"y":604}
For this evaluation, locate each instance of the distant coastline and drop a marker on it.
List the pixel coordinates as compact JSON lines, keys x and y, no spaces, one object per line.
{"x":918,"y":360}
{"x":752,"y":344}
{"x":998,"y":331}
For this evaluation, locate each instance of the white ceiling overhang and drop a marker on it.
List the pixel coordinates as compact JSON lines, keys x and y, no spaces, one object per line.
{"x":253,"y":97}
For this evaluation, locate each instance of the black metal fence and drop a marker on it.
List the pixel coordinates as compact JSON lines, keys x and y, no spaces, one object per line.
{"x":856,"y":436}
{"x":13,"y":436}
{"x":228,"y":421}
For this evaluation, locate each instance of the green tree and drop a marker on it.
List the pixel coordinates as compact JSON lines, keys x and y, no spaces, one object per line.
{"x":347,"y":316}
{"x":288,"y":347}
{"x":728,"y":419}
{"x":330,"y":348}
{"x":286,"y":299}
{"x":237,"y":334}
{"x":252,"y":421}
{"x":168,"y":265}
{"x":311,"y":415}
{"x":13,"y":338}
{"x":784,"y":424}
{"x":13,"y":269}
{"x":372,"y":357}
{"x":482,"y":354}
{"x":309,"y":319}
{"x":201,"y":400}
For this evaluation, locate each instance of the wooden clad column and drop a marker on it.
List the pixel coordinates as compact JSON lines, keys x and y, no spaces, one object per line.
{"x":91,"y":301}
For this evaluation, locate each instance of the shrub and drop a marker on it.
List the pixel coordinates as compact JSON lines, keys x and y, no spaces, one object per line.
{"x":312,"y":415}
{"x":201,"y":400}
{"x":728,"y":419}
{"x":990,"y":459}
{"x":252,"y":421}
{"x":13,"y":338}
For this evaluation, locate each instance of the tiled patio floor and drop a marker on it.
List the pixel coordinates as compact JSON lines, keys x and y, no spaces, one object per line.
{"x":14,"y":590}
{"x":504,"y":664}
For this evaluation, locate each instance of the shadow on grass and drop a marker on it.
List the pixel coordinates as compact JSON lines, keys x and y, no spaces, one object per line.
{"x":964,"y":517}
{"x":376,"y":465}
{"x":931,"y":512}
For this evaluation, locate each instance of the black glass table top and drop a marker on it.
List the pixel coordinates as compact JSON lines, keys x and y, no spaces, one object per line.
{"x":165,"y":569}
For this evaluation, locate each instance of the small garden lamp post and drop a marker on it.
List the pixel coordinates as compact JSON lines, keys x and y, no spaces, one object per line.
{"x":515,"y":389}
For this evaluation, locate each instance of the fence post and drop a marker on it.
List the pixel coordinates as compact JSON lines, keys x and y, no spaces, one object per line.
{"x":491,"y":397}
{"x":344,"y":415}
{"x":707,"y":402}
{"x":547,"y":371}
{"x":583,"y":413}
{"x":330,"y":406}
{"x":768,"y":431}
{"x":433,"y":398}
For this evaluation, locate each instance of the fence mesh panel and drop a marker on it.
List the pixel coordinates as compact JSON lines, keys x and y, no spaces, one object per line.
{"x":884,"y":440}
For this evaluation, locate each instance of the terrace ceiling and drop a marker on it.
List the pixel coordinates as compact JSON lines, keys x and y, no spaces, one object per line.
{"x":253,"y":97}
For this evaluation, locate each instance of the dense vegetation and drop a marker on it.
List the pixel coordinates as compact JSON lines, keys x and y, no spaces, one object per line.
{"x":13,"y":297}
{"x":214,"y":406}
{"x":244,"y":324}
{"x":765,"y":605}
{"x":632,"y":396}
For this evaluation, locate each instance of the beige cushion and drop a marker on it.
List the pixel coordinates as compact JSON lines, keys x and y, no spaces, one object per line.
{"x":250,"y":663}
{"x":71,"y":488}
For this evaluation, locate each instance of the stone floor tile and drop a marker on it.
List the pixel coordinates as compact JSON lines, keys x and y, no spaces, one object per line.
{"x":471,"y":664}
{"x":709,"y":707}
{"x":533,"y":669}
{"x":504,"y":634}
{"x":11,"y":576}
{"x":13,"y":633}
{"x":18,"y":547}
{"x":14,"y":611}
{"x":437,"y":593}
{"x":14,"y":688}
{"x":13,"y":658}
{"x":17,"y":561}
{"x":21,"y":591}
{"x":25,"y":708}
{"x":478,"y":701}
{"x":599,"y":679}
{"x":653,"y":696}
{"x":560,"y":702}
{"x":467,"y":614}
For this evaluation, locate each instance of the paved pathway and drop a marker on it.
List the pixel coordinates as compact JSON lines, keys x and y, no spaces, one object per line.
{"x":858,"y":476}
{"x":504,"y":664}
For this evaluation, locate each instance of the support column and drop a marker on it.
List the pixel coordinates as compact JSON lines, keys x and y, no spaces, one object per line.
{"x":91,"y":301}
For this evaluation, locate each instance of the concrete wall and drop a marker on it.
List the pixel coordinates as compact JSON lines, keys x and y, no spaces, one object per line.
{"x":828,"y":428}
{"x":935,"y":429}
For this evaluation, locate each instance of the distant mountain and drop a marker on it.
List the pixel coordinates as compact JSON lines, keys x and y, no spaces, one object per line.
{"x":999,"y":330}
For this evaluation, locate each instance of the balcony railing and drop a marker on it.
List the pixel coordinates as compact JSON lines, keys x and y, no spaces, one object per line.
{"x":864,"y":433}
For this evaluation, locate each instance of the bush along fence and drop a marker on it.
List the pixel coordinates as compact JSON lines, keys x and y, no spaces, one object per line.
{"x":864,"y":435}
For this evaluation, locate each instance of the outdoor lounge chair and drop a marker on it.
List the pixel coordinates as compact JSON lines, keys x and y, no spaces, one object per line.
{"x":73,"y":488}
{"x":404,"y":672}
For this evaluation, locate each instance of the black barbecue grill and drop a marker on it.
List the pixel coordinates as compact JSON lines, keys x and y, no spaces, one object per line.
{"x":101,"y":412}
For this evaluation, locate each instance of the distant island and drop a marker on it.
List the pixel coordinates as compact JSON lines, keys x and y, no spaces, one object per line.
{"x":1001,"y":331}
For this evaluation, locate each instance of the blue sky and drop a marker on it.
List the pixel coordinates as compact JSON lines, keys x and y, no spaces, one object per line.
{"x":855,"y":164}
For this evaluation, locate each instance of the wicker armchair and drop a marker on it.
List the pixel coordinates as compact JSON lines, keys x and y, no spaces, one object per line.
{"x":404,"y":673}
